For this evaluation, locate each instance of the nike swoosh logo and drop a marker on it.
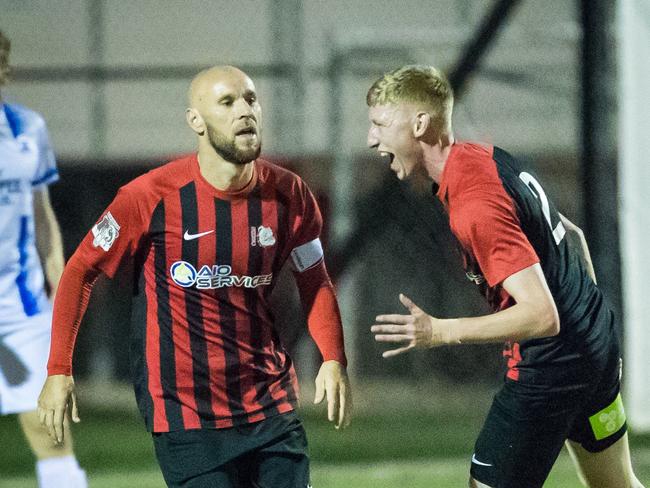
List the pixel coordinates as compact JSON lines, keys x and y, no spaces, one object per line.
{"x":476,"y":461}
{"x":188,"y":237}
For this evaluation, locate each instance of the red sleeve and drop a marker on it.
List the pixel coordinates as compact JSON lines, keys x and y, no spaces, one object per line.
{"x":307,"y":221}
{"x":111,"y":239}
{"x":73,"y":294}
{"x":322,"y":310}
{"x":115,"y":236}
{"x":314,"y":285}
{"x":487,"y":225}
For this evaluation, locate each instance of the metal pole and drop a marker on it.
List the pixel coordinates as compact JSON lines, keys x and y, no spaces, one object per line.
{"x":287,"y":48}
{"x":342,"y":166}
{"x":475,"y":49}
{"x":599,"y":159}
{"x":97,"y":94}
{"x":346,"y":61}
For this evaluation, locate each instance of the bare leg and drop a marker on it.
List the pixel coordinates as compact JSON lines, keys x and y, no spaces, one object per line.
{"x":56,"y":465}
{"x":40,"y":442}
{"x":611,"y":468}
{"x":476,"y":484}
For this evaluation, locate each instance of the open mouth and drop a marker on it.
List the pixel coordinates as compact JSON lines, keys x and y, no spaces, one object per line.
{"x":388,"y":156}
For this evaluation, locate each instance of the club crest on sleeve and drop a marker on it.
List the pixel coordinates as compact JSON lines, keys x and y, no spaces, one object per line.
{"x":262,"y":236}
{"x":105,"y":232}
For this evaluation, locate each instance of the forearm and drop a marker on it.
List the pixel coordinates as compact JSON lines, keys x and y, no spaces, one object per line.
{"x":533,"y":314}
{"x":519,"y":322}
{"x":69,"y":308}
{"x":54,"y":261}
{"x":325,"y":327}
{"x":322,"y":311}
{"x":48,"y":239}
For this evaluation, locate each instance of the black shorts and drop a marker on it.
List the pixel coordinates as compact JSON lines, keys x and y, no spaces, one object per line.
{"x":267,"y":454}
{"x":527,"y":425}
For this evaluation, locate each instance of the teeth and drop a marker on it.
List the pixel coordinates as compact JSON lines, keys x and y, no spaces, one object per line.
{"x":383,"y":153}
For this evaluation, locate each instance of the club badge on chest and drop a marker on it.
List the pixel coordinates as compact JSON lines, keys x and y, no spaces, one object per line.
{"x":262,"y":236}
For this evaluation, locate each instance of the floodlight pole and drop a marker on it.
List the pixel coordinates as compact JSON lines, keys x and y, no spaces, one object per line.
{"x":289,"y":92}
{"x":474,"y":51}
{"x":599,"y":158}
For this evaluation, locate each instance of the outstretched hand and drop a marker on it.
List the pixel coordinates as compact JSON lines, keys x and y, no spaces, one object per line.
{"x":414,"y":329}
{"x":56,"y":398}
{"x":332,"y":382}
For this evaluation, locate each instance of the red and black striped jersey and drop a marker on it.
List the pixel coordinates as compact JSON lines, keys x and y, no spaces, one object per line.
{"x":205,"y":351}
{"x":505,"y":222}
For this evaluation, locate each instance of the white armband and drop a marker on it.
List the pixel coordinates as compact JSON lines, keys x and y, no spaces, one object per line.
{"x":305,"y":256}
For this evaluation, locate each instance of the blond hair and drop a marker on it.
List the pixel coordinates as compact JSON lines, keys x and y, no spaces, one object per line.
{"x":420,"y":85}
{"x":5,"y":47}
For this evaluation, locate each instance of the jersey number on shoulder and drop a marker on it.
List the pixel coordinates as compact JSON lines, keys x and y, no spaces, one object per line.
{"x":538,"y":192}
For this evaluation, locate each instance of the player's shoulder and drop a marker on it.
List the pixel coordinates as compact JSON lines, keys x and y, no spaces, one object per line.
{"x":472,"y":154}
{"x":491,"y":161}
{"x":158,"y":182}
{"x":270,"y":169}
{"x":23,"y":118}
{"x":471,"y":168}
{"x":477,"y":165}
{"x":280,"y":177}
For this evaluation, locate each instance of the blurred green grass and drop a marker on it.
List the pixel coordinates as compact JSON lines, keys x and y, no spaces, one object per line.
{"x":406,"y":445}
{"x":109,"y":438}
{"x":446,"y":473}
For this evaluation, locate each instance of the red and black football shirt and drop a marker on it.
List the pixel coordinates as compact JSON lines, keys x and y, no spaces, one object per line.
{"x":505,"y":222}
{"x":205,"y":352}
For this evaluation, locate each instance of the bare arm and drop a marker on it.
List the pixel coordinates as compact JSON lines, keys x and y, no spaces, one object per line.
{"x":48,"y":238}
{"x":533,"y":315}
{"x":579,"y":236}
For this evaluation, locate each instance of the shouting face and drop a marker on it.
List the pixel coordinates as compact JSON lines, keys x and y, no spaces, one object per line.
{"x":391,"y":133}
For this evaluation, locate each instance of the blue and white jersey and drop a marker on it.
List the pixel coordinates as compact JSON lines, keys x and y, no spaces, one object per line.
{"x":26,"y":163}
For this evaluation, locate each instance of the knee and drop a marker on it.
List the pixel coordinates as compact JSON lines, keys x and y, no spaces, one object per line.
{"x":476,"y":484}
{"x":39,"y":441}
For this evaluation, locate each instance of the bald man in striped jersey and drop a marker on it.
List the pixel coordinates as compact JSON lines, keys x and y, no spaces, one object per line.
{"x":207,"y":236}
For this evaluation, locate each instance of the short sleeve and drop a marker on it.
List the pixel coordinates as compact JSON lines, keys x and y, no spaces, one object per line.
{"x":307,"y":249}
{"x":46,"y":171}
{"x":488,"y":227}
{"x":115,"y":236}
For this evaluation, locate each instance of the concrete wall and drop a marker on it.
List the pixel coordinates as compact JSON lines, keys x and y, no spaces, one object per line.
{"x":524,"y":99}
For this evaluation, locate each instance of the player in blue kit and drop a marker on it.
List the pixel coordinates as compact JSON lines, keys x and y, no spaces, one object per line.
{"x":29,"y":235}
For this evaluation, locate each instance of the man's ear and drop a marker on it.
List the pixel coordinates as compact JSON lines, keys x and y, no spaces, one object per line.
{"x":195,"y":121}
{"x":421,"y":124}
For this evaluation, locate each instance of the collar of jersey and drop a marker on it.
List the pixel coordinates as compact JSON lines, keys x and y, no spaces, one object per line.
{"x":444,"y":178}
{"x":222,"y":194}
{"x":13,"y":120}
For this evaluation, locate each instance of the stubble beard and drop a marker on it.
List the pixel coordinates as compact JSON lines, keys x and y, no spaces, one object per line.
{"x":228,"y":150}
